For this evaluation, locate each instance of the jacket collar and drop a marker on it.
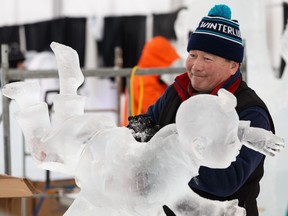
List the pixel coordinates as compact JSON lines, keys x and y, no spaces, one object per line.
{"x":184,"y":89}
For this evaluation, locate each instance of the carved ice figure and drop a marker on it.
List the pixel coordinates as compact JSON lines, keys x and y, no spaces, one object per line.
{"x":120,"y":176}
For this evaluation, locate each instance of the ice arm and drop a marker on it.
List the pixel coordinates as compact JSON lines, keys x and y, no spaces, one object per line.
{"x":259,"y":139}
{"x":67,"y":104}
{"x":32,"y":117}
{"x":70,"y":74}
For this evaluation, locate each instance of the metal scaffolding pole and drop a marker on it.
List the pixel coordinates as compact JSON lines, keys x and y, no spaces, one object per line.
{"x":5,"y":110}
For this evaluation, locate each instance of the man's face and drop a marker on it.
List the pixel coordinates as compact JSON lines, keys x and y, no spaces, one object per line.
{"x":206,"y":70}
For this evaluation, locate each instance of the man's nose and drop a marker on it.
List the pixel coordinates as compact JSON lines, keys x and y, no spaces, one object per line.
{"x":198,"y":64}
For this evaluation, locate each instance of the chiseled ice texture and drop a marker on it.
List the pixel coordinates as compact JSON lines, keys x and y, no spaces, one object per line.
{"x":119,"y":176}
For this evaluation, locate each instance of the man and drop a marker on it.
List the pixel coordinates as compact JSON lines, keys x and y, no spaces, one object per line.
{"x":16,"y":57}
{"x":215,"y":53}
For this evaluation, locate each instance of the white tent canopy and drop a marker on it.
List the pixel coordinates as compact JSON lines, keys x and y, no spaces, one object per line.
{"x":261,"y":23}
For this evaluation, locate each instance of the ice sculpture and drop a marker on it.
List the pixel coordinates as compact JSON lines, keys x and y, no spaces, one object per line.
{"x":120,"y":176}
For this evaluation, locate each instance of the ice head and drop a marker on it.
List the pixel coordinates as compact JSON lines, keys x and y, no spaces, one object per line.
{"x":209,"y":124}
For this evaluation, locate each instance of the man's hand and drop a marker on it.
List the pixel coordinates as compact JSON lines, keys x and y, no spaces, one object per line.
{"x":142,"y":127}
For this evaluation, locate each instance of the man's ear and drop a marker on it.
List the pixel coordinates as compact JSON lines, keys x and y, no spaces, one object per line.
{"x":234,"y":67}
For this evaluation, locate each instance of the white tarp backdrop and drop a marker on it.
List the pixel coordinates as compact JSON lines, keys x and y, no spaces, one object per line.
{"x":261,"y":23}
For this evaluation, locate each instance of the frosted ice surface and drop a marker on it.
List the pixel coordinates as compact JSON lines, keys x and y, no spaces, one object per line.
{"x":120,"y":176}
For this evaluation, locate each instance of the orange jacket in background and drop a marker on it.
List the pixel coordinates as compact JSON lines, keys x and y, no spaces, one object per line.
{"x":158,"y":52}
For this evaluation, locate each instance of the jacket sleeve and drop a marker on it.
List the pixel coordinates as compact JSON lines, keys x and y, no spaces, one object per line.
{"x":224,"y":182}
{"x":154,"y":110}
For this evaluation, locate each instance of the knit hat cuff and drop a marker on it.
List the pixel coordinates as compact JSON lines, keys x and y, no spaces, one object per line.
{"x":217,"y":46}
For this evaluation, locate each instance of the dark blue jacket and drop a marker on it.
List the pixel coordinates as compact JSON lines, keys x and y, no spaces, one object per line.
{"x":240,"y":180}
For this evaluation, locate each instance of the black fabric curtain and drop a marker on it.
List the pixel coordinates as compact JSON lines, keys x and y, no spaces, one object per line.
{"x":68,"y":31}
{"x":163,"y":24}
{"x":9,"y":34}
{"x":127,"y":32}
{"x":285,"y":17}
{"x":38,"y":36}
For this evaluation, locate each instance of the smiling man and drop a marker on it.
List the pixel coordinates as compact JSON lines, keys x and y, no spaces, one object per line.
{"x":215,"y":52}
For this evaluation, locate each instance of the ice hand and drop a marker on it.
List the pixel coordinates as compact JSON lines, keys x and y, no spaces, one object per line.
{"x":263,"y":141}
{"x":232,"y":209}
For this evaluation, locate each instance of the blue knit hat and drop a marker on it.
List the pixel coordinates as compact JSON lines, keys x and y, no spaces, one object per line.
{"x":218,"y":34}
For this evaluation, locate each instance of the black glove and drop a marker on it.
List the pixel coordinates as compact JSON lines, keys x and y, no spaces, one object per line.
{"x":142,"y":127}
